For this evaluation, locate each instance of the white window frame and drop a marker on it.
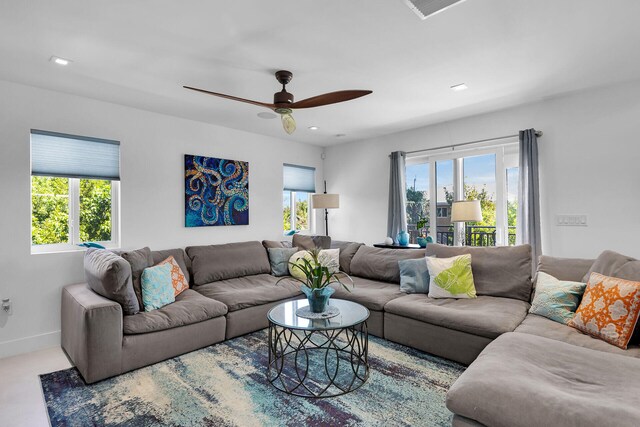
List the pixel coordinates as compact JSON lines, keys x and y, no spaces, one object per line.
{"x":292,"y":219}
{"x":74,"y":221}
{"x":505,"y":157}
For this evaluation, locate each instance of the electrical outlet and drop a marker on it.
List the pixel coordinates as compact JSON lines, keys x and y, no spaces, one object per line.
{"x":571,"y":220}
{"x":7,"y":307}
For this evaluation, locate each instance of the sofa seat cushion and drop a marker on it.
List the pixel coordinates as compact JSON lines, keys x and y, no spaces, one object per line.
{"x":189,"y":307}
{"x":483,"y":316}
{"x":526,"y":380}
{"x":543,"y":327}
{"x":249,"y":291}
{"x":370,"y":293}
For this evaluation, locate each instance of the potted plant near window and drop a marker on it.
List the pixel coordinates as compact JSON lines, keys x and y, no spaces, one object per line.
{"x":316,"y":279}
{"x":423,"y":239}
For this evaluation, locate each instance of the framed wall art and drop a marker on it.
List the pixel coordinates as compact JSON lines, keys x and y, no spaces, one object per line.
{"x":216,"y":191}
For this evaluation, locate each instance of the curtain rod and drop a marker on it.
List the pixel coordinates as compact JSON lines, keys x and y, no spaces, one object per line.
{"x":538,"y":134}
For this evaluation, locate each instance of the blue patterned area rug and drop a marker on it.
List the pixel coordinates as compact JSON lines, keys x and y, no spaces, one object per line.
{"x":225,"y":385}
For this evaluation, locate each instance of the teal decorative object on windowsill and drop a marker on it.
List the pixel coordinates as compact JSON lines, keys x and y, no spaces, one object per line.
{"x":423,"y":241}
{"x":403,"y":238}
{"x":91,"y":245}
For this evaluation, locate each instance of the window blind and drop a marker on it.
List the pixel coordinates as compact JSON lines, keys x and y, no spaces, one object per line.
{"x":70,"y":156}
{"x":299,"y":178}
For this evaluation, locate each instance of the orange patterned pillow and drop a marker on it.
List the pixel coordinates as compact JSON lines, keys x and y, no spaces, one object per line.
{"x":178,"y":280}
{"x":609,"y":309}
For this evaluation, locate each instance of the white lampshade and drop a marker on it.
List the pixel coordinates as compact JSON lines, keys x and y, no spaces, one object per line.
{"x":466,"y":210}
{"x":325,"y":201}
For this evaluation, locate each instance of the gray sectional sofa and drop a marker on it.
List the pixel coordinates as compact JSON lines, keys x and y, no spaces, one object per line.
{"x":514,"y":357}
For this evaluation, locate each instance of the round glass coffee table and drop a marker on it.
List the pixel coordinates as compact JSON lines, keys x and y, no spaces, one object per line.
{"x":318,"y":358}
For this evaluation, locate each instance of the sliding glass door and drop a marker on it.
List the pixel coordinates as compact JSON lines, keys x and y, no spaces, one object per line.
{"x":488,"y":175}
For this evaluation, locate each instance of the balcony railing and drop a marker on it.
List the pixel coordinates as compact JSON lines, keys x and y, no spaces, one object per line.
{"x":475,"y":235}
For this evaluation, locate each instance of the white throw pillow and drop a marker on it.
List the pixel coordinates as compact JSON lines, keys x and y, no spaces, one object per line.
{"x":329,"y":258}
{"x":451,"y":277}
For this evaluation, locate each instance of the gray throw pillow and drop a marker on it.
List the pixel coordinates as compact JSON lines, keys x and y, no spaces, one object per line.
{"x":279,"y":260}
{"x":414,"y":276}
{"x":138,"y":260}
{"x":109,"y":275}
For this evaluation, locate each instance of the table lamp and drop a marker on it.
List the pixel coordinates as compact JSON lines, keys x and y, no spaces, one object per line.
{"x":465,"y":211}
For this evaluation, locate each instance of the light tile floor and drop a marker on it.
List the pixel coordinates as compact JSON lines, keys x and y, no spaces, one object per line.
{"x":21,"y":400}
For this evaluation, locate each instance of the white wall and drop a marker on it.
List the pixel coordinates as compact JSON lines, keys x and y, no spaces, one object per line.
{"x":589,"y":164}
{"x":152,"y":194}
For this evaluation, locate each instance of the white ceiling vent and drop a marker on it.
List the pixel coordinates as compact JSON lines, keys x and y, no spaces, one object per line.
{"x":426,"y":8}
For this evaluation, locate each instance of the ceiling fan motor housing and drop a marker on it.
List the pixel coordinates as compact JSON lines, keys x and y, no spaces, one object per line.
{"x":282,"y":97}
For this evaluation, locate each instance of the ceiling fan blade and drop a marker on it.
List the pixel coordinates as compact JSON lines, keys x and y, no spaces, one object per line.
{"x":234,"y":98}
{"x":330,"y":98}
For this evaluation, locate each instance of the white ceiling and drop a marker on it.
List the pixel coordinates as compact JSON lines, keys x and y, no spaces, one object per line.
{"x":140,"y":53}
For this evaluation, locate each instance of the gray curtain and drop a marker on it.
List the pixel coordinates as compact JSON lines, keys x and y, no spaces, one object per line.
{"x":397,"y":219}
{"x":528,"y":222}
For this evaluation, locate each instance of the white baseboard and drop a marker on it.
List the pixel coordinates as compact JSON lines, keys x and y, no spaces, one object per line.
{"x":29,"y":344}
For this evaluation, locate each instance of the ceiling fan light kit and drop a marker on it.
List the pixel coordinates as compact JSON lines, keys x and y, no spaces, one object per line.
{"x":427,"y":8}
{"x":283,"y":101}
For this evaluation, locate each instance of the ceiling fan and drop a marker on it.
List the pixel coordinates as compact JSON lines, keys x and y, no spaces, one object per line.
{"x":284,"y":105}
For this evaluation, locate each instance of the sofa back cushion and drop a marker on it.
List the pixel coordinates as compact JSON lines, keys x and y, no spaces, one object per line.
{"x":109,"y":275}
{"x":613,"y":264}
{"x":381,"y":264}
{"x":347,"y":252}
{"x":179,"y":255}
{"x":219,"y":262}
{"x":276,"y":244}
{"x":501,"y":271}
{"x":138,"y":259}
{"x":305,"y":243}
{"x":568,"y":269}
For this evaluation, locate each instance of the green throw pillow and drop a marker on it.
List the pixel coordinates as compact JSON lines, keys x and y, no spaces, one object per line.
{"x":451,"y":277}
{"x":556,"y":299}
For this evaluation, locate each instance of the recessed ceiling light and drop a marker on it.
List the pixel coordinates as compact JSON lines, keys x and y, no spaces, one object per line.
{"x":459,"y":87}
{"x":267,"y":115}
{"x":59,"y":61}
{"x":313,"y":128}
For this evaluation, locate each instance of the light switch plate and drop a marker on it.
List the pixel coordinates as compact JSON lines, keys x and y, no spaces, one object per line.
{"x":571,"y":220}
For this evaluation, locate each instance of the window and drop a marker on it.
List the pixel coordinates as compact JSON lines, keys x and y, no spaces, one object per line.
{"x":299,"y":184}
{"x":442,"y":212}
{"x":74,"y":191}
{"x":486,"y":174}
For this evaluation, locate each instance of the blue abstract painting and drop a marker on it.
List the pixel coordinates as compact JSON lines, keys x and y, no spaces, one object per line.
{"x":216,"y":191}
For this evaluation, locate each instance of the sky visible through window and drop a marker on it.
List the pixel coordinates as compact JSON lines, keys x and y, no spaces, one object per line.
{"x":286,"y":198}
{"x":478,"y":171}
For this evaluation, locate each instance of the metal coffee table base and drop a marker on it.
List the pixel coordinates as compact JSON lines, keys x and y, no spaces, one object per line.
{"x":318,"y":363}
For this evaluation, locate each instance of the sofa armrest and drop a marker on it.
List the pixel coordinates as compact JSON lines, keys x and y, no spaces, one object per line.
{"x":92,"y":332}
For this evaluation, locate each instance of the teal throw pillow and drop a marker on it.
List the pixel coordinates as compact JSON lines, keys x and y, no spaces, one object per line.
{"x":157,"y":287}
{"x":414,"y":276}
{"x":279,"y":260}
{"x":556,"y":299}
